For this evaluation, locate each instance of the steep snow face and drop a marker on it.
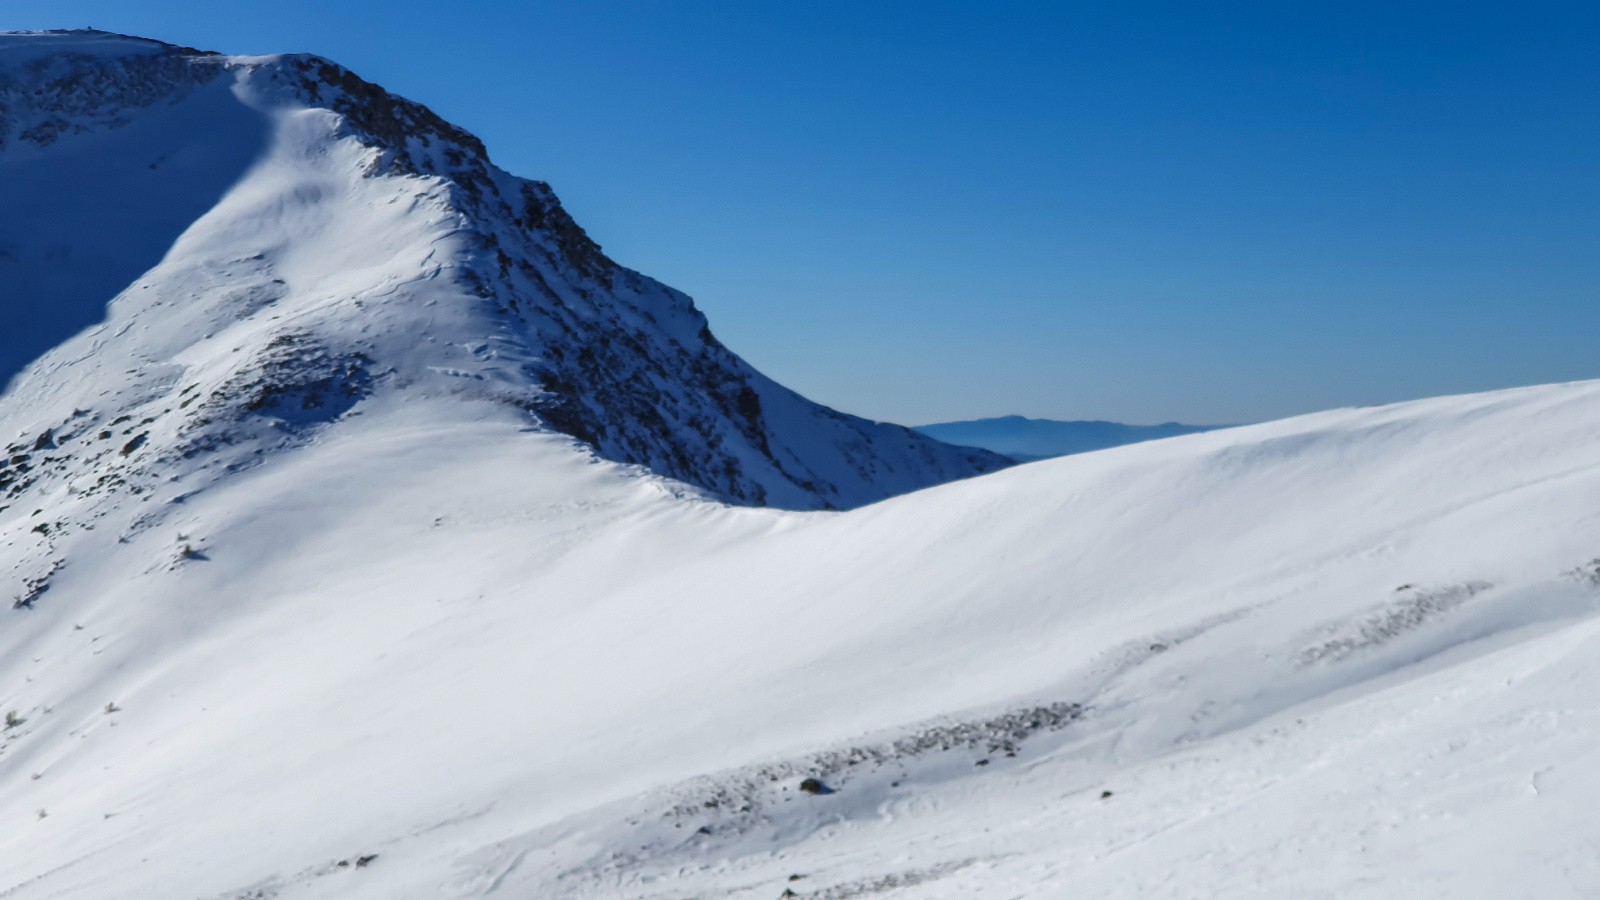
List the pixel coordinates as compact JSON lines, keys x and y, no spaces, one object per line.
{"x":280,"y":240}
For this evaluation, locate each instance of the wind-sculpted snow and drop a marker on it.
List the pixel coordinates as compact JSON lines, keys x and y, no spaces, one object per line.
{"x":294,"y":383}
{"x":315,"y":591}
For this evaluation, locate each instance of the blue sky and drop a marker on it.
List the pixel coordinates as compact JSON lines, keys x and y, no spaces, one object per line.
{"x":1210,"y":212}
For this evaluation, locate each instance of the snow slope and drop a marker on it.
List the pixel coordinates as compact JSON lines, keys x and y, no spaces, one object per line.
{"x":316,"y":630}
{"x":1026,"y":440}
{"x":509,"y":670}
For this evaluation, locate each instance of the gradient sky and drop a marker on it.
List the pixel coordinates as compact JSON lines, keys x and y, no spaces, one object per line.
{"x":1209,"y":212}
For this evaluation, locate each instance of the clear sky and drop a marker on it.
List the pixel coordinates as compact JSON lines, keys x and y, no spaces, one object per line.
{"x":1210,"y":212}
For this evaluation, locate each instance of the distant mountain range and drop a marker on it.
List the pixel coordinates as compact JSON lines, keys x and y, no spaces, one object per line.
{"x":1025,"y":439}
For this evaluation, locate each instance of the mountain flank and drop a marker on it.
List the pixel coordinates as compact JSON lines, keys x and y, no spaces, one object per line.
{"x":352,"y":244}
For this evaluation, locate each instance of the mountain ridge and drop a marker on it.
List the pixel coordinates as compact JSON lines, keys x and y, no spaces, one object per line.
{"x":310,"y":603}
{"x":1025,"y":439}
{"x":604,"y":354}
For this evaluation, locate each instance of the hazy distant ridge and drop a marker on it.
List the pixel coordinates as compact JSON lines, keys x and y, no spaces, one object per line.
{"x":1025,"y":439}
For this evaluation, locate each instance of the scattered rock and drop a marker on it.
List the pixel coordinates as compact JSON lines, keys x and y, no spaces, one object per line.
{"x":1588,"y":572}
{"x":815,"y":786}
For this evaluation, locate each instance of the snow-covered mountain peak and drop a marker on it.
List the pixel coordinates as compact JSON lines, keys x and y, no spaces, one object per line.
{"x":313,"y":594}
{"x":281,"y":241}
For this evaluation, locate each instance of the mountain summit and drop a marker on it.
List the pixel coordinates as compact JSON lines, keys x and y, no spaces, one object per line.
{"x":283,"y":243}
{"x":318,"y":592}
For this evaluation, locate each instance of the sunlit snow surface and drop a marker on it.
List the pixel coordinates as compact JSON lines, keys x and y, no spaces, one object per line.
{"x":423,"y":649}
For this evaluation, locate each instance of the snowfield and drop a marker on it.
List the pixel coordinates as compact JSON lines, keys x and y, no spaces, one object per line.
{"x":326,"y":616}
